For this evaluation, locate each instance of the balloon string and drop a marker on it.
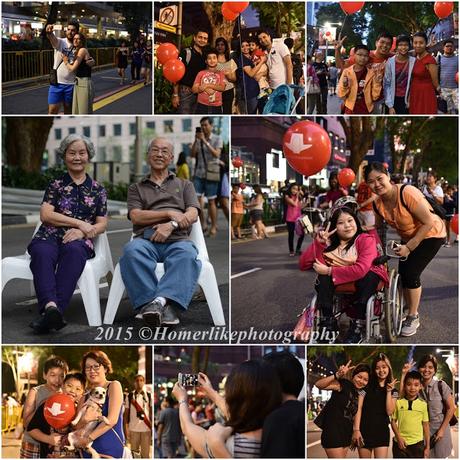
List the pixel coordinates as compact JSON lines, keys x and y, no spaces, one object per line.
{"x":242,"y":66}
{"x":343,"y":25}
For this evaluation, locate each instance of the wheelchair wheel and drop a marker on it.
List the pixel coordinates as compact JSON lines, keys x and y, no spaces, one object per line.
{"x":394,"y":305}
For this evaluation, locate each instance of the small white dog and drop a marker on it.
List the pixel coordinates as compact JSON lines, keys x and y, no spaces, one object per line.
{"x":91,"y":410}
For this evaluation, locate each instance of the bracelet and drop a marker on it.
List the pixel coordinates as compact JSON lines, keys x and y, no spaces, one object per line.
{"x":175,"y":95}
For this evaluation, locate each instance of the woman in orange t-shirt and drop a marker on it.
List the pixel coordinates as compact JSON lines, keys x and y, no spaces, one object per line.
{"x":422,"y":234}
{"x":237,"y":211}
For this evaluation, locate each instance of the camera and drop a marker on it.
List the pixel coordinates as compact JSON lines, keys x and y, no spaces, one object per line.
{"x":188,"y":380}
{"x":197,"y":130}
{"x":140,"y":415}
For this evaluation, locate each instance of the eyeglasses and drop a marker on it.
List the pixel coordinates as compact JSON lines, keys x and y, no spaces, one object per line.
{"x":162,"y":152}
{"x":94,"y":367}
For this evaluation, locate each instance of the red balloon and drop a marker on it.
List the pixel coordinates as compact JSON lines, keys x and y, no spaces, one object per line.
{"x":351,"y":7}
{"x":59,"y":410}
{"x":227,"y":13}
{"x":242,"y":186}
{"x":167,"y":51}
{"x":174,"y":70}
{"x":346,"y":177}
{"x":237,"y":162}
{"x":443,"y":9}
{"x":456,"y":78}
{"x":386,"y":165}
{"x":307,"y":147}
{"x":237,"y":7}
{"x":454,"y":224}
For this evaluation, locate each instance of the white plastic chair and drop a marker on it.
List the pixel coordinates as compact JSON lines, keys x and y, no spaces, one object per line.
{"x":95,"y":269}
{"x":207,"y":281}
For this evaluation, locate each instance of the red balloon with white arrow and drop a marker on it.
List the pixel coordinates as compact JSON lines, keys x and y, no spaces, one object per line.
{"x":59,"y":410}
{"x":307,"y":147}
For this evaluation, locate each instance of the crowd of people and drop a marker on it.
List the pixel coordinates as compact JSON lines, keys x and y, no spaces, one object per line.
{"x":258,"y":416}
{"x":365,"y":400}
{"x":408,"y":79}
{"x":71,"y":85}
{"x":234,"y":78}
{"x":126,"y":415}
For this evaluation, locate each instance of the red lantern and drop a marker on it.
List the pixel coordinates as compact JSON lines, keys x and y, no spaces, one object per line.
{"x":237,"y":162}
{"x":59,"y":410}
{"x":443,"y":9}
{"x":242,"y":186}
{"x":351,"y":7}
{"x":328,"y":33}
{"x":227,"y":13}
{"x":165,"y":52}
{"x":174,"y":70}
{"x":307,"y":147}
{"x":237,"y":7}
{"x":346,"y":177}
{"x":454,"y":224}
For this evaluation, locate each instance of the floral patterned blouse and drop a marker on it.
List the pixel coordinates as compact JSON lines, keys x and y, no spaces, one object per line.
{"x":83,"y":202}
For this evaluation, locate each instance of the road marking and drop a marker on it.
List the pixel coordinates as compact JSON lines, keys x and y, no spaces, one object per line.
{"x":245,"y":273}
{"x":34,"y":300}
{"x":109,"y":100}
{"x":313,"y":444}
{"x":120,"y":231}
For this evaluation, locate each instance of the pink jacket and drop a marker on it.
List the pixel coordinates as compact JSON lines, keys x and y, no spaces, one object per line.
{"x":366,"y":248}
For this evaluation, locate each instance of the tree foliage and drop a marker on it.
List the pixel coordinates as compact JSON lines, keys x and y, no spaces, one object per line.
{"x":138,"y":15}
{"x":25,"y":141}
{"x":282,"y":17}
{"x":219,"y":25}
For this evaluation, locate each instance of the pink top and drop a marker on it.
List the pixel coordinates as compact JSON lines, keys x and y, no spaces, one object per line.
{"x":293,"y":212}
{"x":213,"y":78}
{"x":366,"y":248}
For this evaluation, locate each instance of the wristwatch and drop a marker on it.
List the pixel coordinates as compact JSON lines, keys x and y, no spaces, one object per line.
{"x":174,"y":224}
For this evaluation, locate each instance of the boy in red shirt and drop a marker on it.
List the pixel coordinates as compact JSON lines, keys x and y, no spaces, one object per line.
{"x":209,"y":84}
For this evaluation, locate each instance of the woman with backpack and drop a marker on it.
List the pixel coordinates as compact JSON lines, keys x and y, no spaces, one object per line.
{"x":441,"y":405}
{"x":421,"y":228}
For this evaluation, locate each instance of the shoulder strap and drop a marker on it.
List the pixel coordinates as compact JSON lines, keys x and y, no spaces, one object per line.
{"x":376,"y":210}
{"x":401,"y":196}
{"x":440,"y":389}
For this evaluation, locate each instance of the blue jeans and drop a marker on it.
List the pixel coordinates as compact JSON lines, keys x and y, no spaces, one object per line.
{"x":187,"y":101}
{"x":182,"y":269}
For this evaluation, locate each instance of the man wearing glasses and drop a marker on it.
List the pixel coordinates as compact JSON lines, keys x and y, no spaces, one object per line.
{"x":448,"y":68}
{"x":162,"y":209}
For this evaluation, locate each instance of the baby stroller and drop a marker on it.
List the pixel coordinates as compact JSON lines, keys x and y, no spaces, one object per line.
{"x":282,"y":101}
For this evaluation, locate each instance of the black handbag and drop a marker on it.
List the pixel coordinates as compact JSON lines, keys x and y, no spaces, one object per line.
{"x":53,"y":75}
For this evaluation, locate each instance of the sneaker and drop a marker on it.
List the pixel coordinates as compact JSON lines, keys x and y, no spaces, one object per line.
{"x":410,"y":325}
{"x":354,"y":333}
{"x":152,"y":313}
{"x":446,"y":245}
{"x":169,"y":316}
{"x":264,"y":92}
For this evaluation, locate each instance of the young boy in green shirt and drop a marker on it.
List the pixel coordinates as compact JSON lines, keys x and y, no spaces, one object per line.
{"x":410,"y":421}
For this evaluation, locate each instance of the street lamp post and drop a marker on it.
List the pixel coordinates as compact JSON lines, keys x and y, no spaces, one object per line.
{"x":451,"y":354}
{"x":328,"y":25}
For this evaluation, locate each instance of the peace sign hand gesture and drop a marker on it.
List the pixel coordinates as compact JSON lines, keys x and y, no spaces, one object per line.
{"x":344,"y":369}
{"x":339,"y":42}
{"x":324,"y":235}
{"x":408,"y":366}
{"x":391,"y":385}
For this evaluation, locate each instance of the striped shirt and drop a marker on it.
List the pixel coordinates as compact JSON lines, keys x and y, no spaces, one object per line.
{"x":240,"y":446}
{"x":449,"y":67}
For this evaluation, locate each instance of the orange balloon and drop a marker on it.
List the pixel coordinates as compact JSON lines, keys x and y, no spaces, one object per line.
{"x":227,"y":13}
{"x":59,"y":410}
{"x":351,"y":7}
{"x":346,"y":177}
{"x":443,"y":9}
{"x":174,"y":70}
{"x":237,"y":7}
{"x":307,"y":147}
{"x":165,"y":52}
{"x":454,"y":224}
{"x":237,"y":162}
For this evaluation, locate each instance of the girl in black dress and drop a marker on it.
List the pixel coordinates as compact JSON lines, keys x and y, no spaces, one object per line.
{"x":336,"y":419}
{"x":371,"y":432}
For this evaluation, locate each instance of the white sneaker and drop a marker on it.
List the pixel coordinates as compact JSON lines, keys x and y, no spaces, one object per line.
{"x":410,"y":325}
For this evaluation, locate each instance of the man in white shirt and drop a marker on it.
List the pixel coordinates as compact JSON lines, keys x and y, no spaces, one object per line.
{"x":137,"y":418}
{"x":431,"y":189}
{"x":278,"y":60}
{"x":62,"y":93}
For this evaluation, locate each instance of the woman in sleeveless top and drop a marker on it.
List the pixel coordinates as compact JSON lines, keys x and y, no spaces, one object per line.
{"x":83,"y":92}
{"x":228,"y":66}
{"x":122,"y":61}
{"x":107,"y":440}
{"x":252,"y":391}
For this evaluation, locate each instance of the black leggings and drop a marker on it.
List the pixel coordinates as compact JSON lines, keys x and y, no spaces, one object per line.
{"x":412,"y":268}
{"x":291,"y":231}
{"x":365,"y":288}
{"x":227,"y":101}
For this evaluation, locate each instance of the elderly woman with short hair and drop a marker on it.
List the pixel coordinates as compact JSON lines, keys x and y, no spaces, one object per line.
{"x":73,"y":212}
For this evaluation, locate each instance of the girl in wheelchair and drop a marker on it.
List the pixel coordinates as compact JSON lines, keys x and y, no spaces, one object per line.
{"x":340,"y":255}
